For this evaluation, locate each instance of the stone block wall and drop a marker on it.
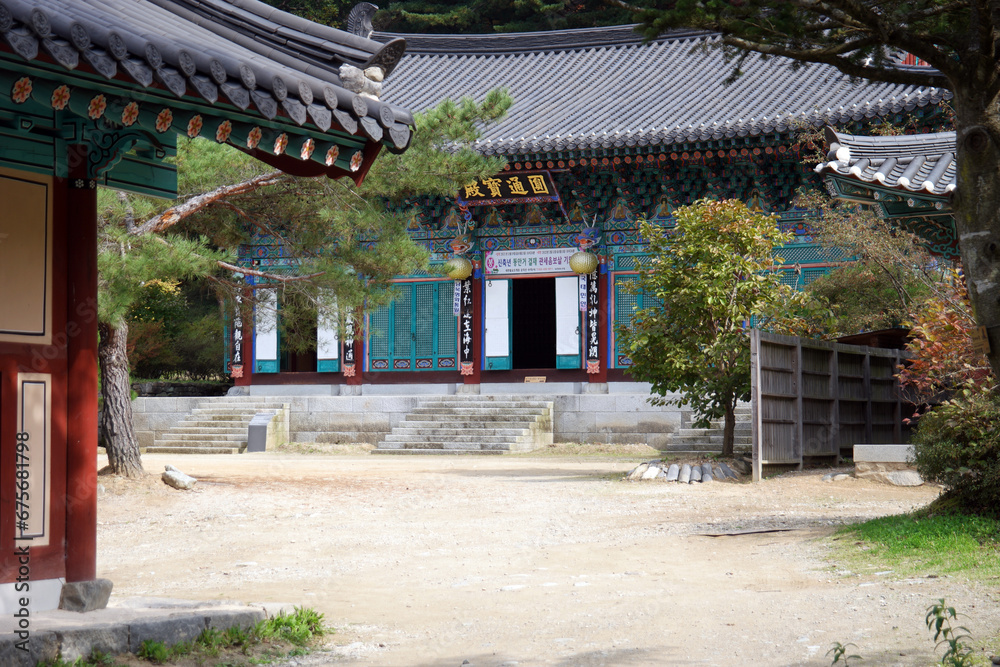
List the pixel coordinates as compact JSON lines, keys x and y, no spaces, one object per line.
{"x":155,"y":414}
{"x":616,"y":417}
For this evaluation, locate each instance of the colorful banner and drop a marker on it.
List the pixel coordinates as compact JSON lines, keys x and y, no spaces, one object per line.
{"x":542,"y":260}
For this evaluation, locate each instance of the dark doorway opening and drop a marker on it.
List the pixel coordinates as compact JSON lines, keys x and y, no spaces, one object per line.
{"x":533,"y":320}
{"x":298,"y":320}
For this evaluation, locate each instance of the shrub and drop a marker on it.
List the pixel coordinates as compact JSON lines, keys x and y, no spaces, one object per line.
{"x":866,"y":299}
{"x":957,"y":444}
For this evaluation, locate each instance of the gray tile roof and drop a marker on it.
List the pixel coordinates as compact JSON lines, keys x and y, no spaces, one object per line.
{"x":243,"y":52}
{"x":914,"y":162}
{"x":604,"y":88}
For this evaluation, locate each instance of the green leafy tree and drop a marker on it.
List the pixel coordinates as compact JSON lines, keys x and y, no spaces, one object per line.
{"x":346,"y":242}
{"x":710,"y":277}
{"x":862,"y":300}
{"x":490,"y":16}
{"x":957,"y":39}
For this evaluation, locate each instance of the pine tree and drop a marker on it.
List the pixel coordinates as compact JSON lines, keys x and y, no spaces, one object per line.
{"x":346,"y":243}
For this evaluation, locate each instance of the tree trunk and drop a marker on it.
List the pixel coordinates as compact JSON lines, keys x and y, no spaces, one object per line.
{"x":729,"y":428}
{"x":976,"y":207}
{"x":116,"y":419}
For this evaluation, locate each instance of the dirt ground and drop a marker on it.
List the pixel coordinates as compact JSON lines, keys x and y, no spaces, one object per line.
{"x":528,"y":560}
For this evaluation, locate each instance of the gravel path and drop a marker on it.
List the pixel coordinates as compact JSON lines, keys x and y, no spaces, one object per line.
{"x":527,"y":561}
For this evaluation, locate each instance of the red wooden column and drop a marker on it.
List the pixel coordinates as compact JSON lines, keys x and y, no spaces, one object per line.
{"x":81,"y":353}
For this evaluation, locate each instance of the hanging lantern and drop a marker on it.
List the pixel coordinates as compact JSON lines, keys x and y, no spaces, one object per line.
{"x":458,"y":268}
{"x":583,"y":262}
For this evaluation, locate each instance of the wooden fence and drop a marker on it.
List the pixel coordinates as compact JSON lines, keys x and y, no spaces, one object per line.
{"x":817,"y":399}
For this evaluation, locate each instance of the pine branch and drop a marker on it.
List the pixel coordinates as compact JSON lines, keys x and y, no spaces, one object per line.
{"x":175,"y":214}
{"x":263,"y":274}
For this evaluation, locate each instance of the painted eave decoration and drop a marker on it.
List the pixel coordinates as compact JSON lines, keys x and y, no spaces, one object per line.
{"x":128,"y":75}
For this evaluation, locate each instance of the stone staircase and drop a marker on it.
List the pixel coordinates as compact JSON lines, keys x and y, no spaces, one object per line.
{"x":701,"y":441}
{"x":471,"y":425}
{"x":216,"y":426}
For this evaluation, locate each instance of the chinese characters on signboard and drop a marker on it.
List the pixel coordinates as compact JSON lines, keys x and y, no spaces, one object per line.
{"x":349,"y":347}
{"x":465,"y":337}
{"x":593,"y":358}
{"x":509,"y":189}
{"x":236,"y":360}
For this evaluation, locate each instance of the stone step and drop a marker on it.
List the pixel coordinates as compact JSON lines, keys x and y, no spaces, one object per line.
{"x":445,"y":444}
{"x":468,"y":438}
{"x":474,"y":430}
{"x":448,"y":404}
{"x":214,"y":437}
{"x":202,"y":428}
{"x":207,"y":413}
{"x":244,"y":404}
{"x":497,"y":420}
{"x":463,"y":424}
{"x":224,"y":419}
{"x":170,"y":449}
{"x":526,"y":412}
{"x":178,"y":442}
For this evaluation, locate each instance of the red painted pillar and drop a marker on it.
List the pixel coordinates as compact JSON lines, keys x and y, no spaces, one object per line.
{"x":81,"y":353}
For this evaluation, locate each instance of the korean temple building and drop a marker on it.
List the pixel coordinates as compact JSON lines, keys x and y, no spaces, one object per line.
{"x":605,"y":130}
{"x":94,"y":92}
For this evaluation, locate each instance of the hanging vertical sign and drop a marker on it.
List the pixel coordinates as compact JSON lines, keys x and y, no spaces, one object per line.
{"x":456,"y":299}
{"x":465,"y":327}
{"x":593,"y":358}
{"x":236,"y":360}
{"x":583,"y":292}
{"x":349,"y":347}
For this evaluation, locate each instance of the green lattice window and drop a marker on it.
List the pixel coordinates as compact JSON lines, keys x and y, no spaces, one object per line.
{"x":418,"y":331}
{"x":625,"y":306}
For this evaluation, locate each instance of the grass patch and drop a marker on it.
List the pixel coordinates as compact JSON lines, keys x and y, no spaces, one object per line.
{"x":923,"y":544}
{"x":266,"y":641}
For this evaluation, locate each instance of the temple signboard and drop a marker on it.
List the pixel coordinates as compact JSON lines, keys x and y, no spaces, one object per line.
{"x":506,"y":188}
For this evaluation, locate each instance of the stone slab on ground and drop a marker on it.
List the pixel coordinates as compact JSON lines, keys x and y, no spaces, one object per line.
{"x":897,"y":474}
{"x":122,"y":626}
{"x":883,"y":453}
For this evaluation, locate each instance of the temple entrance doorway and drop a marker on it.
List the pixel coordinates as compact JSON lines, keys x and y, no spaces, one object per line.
{"x":533,"y":323}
